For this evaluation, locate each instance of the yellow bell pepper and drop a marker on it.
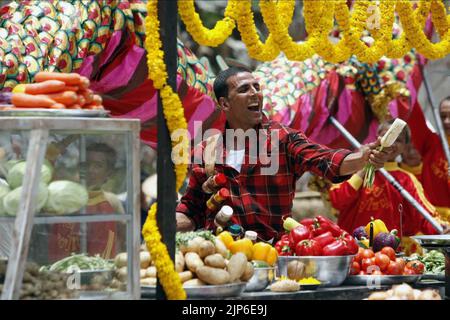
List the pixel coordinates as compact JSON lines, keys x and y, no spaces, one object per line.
{"x":226,"y":238}
{"x":378,"y":226}
{"x":264,"y":252}
{"x":243,"y":245}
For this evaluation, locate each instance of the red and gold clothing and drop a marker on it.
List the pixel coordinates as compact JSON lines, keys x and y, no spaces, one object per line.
{"x":101,"y":238}
{"x":433,"y":175}
{"x":356,"y":204}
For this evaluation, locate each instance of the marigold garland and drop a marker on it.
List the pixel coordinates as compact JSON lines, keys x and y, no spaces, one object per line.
{"x":174,"y":115}
{"x":416,"y":35}
{"x":202,"y":35}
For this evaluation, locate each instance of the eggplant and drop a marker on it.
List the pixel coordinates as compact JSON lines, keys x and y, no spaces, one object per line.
{"x":385,"y":239}
{"x":360,"y":233}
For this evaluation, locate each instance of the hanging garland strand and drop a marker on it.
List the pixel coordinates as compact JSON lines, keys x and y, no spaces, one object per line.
{"x":174,"y":114}
{"x":207,"y":37}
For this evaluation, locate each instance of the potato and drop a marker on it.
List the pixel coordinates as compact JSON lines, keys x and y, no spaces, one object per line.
{"x":236,"y":266}
{"x":150,"y":272}
{"x":143,"y":247}
{"x":295,"y":270}
{"x":378,"y":296}
{"x":121,"y":260}
{"x":179,"y":262}
{"x":193,"y":245}
{"x":285,"y":286}
{"x":248,"y":273}
{"x":194,"y":283}
{"x":122,"y":274}
{"x":148,"y":281}
{"x":144,"y":258}
{"x":213,"y":276}
{"x":185,"y":276}
{"x":193,"y":261}
{"x":215,"y":261}
{"x":142,"y":273}
{"x":221,"y":248}
{"x":206,"y":248}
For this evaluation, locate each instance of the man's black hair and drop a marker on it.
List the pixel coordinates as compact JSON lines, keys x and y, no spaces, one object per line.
{"x":406,"y":129}
{"x":443,"y":100}
{"x":110,"y":153}
{"x":220,"y":83}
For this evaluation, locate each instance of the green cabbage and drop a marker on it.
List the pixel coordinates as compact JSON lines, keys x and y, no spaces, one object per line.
{"x":17,"y":172}
{"x":66,"y":197}
{"x":11,"y":201}
{"x":4,"y":190}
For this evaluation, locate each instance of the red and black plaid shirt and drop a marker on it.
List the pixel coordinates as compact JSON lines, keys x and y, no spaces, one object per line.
{"x":261,"y":201}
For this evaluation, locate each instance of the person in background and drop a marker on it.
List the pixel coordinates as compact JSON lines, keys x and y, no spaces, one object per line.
{"x":103,"y":238}
{"x":434,"y":171}
{"x":356,"y":204}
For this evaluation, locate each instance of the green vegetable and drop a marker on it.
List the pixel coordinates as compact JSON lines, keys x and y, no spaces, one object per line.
{"x":11,"y":201}
{"x":182,"y":238}
{"x":80,"y":262}
{"x":4,"y":190}
{"x":433,"y":260}
{"x":17,"y":172}
{"x":66,"y":197}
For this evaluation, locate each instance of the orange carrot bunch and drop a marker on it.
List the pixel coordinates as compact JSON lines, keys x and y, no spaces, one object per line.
{"x":57,"y":91}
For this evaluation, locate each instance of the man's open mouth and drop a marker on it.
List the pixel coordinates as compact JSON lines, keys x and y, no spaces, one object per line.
{"x":254,"y":107}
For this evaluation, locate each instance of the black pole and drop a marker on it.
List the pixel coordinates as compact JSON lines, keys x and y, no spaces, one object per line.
{"x":167,"y":12}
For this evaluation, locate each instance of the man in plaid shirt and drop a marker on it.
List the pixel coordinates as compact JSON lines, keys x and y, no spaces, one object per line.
{"x":261,"y":200}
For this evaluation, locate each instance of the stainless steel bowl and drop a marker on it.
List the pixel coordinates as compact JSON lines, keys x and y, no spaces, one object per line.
{"x":261,"y":278}
{"x":332,"y":270}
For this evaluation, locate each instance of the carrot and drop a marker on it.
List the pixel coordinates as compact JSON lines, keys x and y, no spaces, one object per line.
{"x":66,"y":97}
{"x":25,"y":100}
{"x":68,"y":78}
{"x":71,"y":88}
{"x":97,"y":100}
{"x":84,"y":82}
{"x":58,"y":106}
{"x":88,"y":94}
{"x":50,"y":86}
{"x":81,"y":100}
{"x":74,"y":106}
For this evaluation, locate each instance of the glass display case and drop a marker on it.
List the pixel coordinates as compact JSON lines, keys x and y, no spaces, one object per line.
{"x":69,"y":204}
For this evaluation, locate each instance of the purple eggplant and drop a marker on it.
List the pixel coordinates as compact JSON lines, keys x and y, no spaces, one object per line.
{"x":360,"y":233}
{"x":385,"y":239}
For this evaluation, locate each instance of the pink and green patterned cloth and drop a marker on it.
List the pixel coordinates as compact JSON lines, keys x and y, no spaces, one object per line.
{"x":102,"y":40}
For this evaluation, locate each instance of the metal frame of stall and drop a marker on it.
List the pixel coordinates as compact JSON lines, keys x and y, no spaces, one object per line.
{"x":39,"y":128}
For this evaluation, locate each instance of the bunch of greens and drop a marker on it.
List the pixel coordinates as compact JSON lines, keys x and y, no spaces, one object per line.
{"x":433,"y":260}
{"x":80,"y":262}
{"x":182,"y":238}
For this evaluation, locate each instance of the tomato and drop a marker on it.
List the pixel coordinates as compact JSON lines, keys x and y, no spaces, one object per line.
{"x":394,"y":268}
{"x":367,"y":254}
{"x":382,"y":260}
{"x":372,"y":269}
{"x":356,"y":268}
{"x":389,"y":252}
{"x":377,"y":273}
{"x":408,"y":272}
{"x":365,"y":263}
{"x":415,"y":265}
{"x":401,"y":261}
{"x":362,"y":273}
{"x":358,"y":256}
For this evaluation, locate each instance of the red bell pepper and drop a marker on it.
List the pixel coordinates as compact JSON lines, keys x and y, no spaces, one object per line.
{"x":352,"y":245}
{"x":283,"y":248}
{"x":308,"y":248}
{"x":326,"y":224}
{"x":308,"y":221}
{"x":336,"y":248}
{"x":324,"y":238}
{"x":298,"y":234}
